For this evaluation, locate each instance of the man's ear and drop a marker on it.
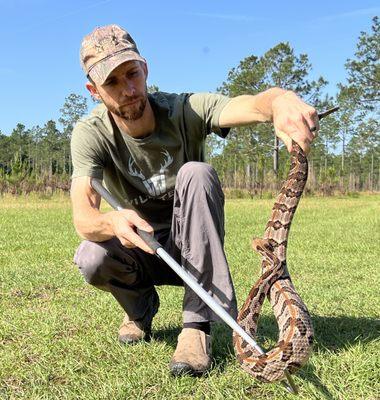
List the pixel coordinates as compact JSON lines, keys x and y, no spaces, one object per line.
{"x":93,"y":91}
{"x":145,"y":68}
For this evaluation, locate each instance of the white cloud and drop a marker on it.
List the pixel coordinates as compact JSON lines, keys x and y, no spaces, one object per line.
{"x":230,"y":17}
{"x":59,"y":17}
{"x":351,"y":14}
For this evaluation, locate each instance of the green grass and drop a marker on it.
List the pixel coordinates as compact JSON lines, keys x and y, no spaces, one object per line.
{"x":58,"y":334}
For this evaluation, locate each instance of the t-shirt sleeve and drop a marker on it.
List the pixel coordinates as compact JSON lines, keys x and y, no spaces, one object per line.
{"x":207,"y":107}
{"x":86,"y":152}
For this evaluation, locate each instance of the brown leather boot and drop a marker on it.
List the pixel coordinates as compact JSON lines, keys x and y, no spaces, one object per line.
{"x":131,"y":332}
{"x":193,"y":353}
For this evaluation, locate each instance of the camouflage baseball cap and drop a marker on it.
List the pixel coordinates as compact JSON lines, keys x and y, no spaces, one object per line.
{"x":104,"y":49}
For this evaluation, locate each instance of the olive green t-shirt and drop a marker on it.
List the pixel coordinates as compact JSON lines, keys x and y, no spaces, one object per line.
{"x":141,"y":173}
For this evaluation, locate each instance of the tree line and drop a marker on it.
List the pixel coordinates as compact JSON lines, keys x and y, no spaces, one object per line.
{"x":345,"y":157}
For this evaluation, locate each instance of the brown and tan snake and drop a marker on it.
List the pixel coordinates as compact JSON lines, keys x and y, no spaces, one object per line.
{"x":295,"y":329}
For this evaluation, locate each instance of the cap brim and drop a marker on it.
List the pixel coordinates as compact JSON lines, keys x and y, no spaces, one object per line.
{"x":102,"y":69}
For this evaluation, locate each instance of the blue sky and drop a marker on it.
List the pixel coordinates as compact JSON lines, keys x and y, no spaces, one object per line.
{"x":190,"y":46}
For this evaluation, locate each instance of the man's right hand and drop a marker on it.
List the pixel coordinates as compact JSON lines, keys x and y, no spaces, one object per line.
{"x":93,"y":225}
{"x":124,"y":224}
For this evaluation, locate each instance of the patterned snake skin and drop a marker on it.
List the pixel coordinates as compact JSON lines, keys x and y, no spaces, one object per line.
{"x":295,"y":329}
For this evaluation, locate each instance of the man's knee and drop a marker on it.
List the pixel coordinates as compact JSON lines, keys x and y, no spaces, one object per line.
{"x":199,"y":173}
{"x":90,"y":258}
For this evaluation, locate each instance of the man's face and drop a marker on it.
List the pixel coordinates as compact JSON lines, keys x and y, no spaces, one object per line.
{"x":125,"y":92}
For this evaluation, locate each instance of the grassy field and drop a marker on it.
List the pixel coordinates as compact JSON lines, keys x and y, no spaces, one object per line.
{"x":58,"y":335}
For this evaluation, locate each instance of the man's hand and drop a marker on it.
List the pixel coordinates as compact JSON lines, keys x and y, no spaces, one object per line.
{"x":124,"y":224}
{"x":294,"y":120}
{"x":93,"y":225}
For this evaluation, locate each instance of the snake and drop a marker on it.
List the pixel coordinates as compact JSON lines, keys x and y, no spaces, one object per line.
{"x":295,"y":336}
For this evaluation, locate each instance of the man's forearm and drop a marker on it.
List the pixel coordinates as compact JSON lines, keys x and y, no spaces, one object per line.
{"x":248,"y":109}
{"x":293,"y":120}
{"x":264,"y":102}
{"x":94,"y":226}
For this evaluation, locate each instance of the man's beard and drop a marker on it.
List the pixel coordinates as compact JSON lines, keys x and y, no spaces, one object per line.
{"x":132,"y":114}
{"x":129,"y":113}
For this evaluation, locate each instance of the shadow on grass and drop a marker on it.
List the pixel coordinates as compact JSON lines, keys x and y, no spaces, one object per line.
{"x":222,"y":349}
{"x":332,"y":334}
{"x":168,"y":335}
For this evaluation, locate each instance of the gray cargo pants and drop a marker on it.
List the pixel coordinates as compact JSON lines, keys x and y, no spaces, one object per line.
{"x":195,"y":240}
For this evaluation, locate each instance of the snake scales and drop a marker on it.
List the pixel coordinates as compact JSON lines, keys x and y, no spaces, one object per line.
{"x":295,"y":329}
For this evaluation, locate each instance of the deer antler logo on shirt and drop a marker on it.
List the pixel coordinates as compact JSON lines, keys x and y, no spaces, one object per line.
{"x":155,"y":185}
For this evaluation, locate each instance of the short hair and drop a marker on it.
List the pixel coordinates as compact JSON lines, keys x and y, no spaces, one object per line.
{"x":91,"y":80}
